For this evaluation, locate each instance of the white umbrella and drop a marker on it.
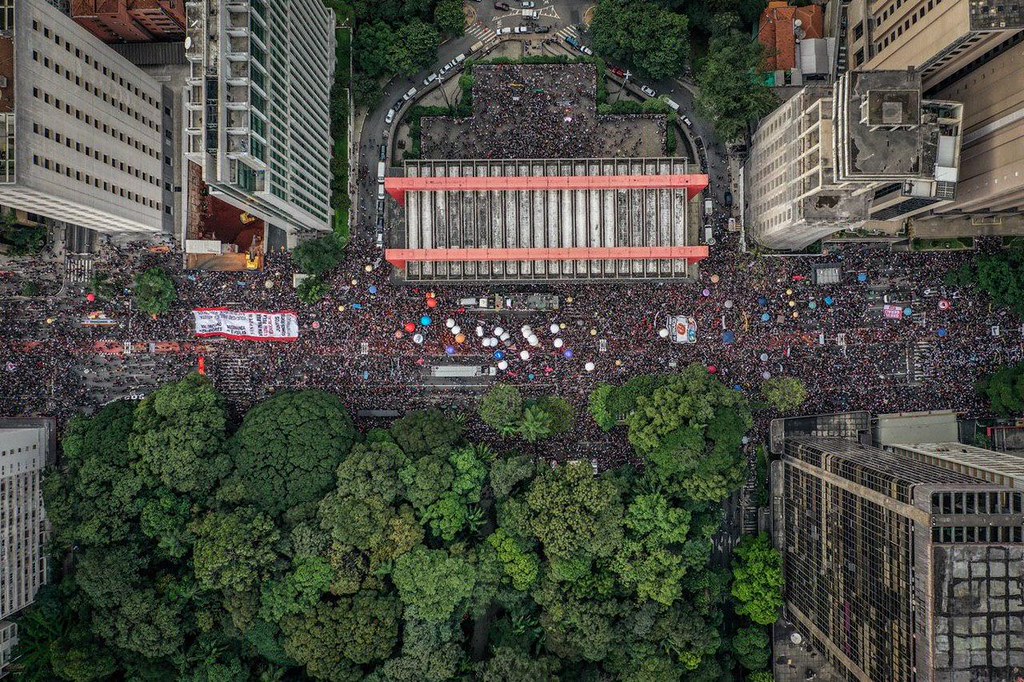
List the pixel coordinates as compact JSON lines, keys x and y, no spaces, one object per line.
{"x":456,"y":329}
{"x":589,"y":367}
{"x":498,"y":331}
{"x":558,"y":343}
{"x":479,"y":330}
{"x":663,"y":333}
{"x":532,"y":340}
{"x":449,"y":323}
{"x":766,"y":375}
{"x":506,"y":336}
{"x":554,"y":328}
{"x":526,"y":330}
{"x":417,"y":338}
{"x":503,"y":365}
{"x":728,"y":304}
{"x":525,"y":355}
{"x":764,"y":357}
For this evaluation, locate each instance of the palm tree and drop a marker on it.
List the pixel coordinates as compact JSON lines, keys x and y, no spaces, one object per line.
{"x":100,"y":285}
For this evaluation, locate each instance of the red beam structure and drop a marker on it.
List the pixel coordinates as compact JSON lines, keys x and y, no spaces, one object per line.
{"x":397,"y":186}
{"x":691,"y":254}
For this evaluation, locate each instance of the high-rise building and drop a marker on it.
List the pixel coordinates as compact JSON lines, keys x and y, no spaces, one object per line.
{"x":898,"y":568}
{"x":23,"y":526}
{"x":967,"y":51}
{"x":257,"y":108}
{"x":82,"y":131}
{"x":131,"y":21}
{"x":831,"y":158}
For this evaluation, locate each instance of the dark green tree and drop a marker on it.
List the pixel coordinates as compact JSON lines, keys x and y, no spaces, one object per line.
{"x":651,"y":40}
{"x":752,"y":647}
{"x":432,"y":584}
{"x":501,"y":408}
{"x":1004,"y":390}
{"x":288,"y":448}
{"x":785,"y":394}
{"x":733,"y":92}
{"x":154,"y":291}
{"x":449,"y":18}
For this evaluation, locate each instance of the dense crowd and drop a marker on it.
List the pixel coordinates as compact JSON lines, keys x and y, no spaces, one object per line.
{"x":538,"y":111}
{"x":354,"y":343}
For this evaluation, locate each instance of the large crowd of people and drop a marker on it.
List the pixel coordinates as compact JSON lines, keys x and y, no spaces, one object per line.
{"x":523,"y":111}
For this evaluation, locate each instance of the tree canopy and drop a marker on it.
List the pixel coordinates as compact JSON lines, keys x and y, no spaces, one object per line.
{"x":291,"y":546}
{"x":785,"y":394}
{"x":1004,"y":390}
{"x":651,"y":40}
{"x":733,"y":92}
{"x":757,"y":579}
{"x":154,"y":291}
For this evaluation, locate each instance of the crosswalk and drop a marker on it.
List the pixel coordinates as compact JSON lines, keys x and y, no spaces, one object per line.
{"x":77,"y":269}
{"x":568,"y":32}
{"x":481,"y":32}
{"x":922,"y":361}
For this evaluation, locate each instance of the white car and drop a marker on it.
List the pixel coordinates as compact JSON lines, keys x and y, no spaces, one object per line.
{"x":390,"y":117}
{"x":504,"y":31}
{"x":528,"y":4}
{"x":648,"y":91}
{"x":409,"y":95}
{"x":522,"y":29}
{"x":586,"y":50}
{"x":430,"y":79}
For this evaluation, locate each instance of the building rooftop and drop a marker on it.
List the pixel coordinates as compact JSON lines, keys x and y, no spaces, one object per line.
{"x":884,"y":135}
{"x":779,"y":30}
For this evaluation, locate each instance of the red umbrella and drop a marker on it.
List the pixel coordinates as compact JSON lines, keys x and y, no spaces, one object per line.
{"x":712,"y":369}
{"x":431,"y":302}
{"x":410,"y":327}
{"x":90,"y":298}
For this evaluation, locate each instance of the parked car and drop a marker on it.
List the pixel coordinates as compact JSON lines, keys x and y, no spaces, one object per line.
{"x":522,"y":29}
{"x":530,"y":14}
{"x":529,"y":4}
{"x":647,"y":90}
{"x":459,"y":58}
{"x":672,"y":104}
{"x":541,"y":29}
{"x":382,"y":153}
{"x":503,"y":6}
{"x":430,"y":79}
{"x":586,"y":50}
{"x":617,"y":71}
{"x":390,"y":117}
{"x":687,"y":122}
{"x":380,"y":210}
{"x":572,"y":41}
{"x":380,"y":189}
{"x":728,"y":199}
{"x":409,"y":95}
{"x":504,"y":31}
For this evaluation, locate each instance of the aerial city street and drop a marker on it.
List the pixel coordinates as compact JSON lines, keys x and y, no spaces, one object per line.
{"x":534,"y":340}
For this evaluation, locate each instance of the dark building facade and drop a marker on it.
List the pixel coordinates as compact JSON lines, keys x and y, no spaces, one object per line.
{"x":900,"y":570}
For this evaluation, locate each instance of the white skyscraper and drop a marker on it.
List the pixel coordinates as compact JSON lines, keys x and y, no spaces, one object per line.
{"x":258,"y":107}
{"x":23,"y":525}
{"x":82,"y":130}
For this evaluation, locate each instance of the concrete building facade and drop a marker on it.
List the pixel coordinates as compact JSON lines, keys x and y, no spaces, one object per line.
{"x":898,"y":569}
{"x":24,"y":451}
{"x":967,"y":51}
{"x":82,"y":130}
{"x":831,"y":158}
{"x":258,"y":107}
{"x":131,"y":21}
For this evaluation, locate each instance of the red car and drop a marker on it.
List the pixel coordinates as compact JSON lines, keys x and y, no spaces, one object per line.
{"x":618,"y":72}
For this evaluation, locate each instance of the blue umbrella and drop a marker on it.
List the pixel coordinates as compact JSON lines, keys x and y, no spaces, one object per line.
{"x":728,"y":337}
{"x":498,"y":355}
{"x":450,"y":350}
{"x":942,"y":332}
{"x":530,"y":377}
{"x":568,"y":354}
{"x":862,"y":277}
{"x":366,"y":375}
{"x":737,"y":387}
{"x":812,"y":305}
{"x":373,"y":290}
{"x":357,"y":306}
{"x":425,"y":321}
{"x":907,"y":312}
{"x":828,"y":300}
{"x":762,"y":301}
{"x":765,"y":317}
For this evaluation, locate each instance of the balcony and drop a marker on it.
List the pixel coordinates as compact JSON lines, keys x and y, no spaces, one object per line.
{"x":237,"y":98}
{"x":238,"y":123}
{"x":238,"y":49}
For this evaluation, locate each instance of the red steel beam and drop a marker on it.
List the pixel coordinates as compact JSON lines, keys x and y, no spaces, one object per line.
{"x":691,"y":254}
{"x":398,"y":186}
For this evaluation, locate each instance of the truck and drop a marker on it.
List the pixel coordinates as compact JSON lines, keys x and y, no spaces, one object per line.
{"x":708,"y":207}
{"x":672,"y":104}
{"x":381,"y":170}
{"x":511,"y":302}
